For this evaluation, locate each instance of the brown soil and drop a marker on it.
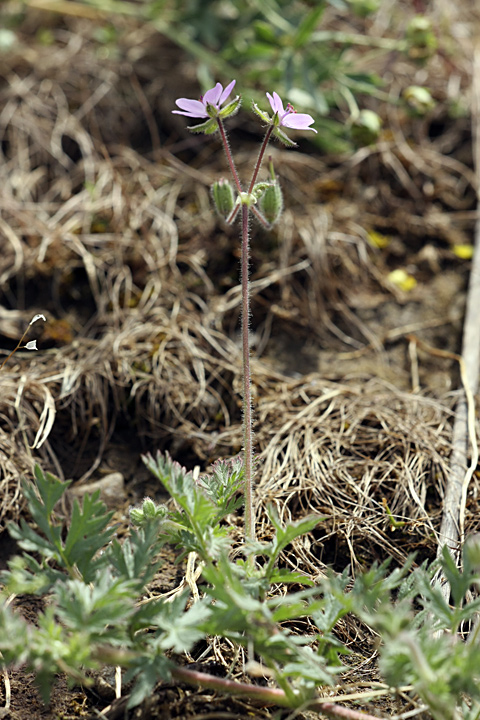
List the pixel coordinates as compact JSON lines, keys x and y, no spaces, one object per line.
{"x":107,"y":229}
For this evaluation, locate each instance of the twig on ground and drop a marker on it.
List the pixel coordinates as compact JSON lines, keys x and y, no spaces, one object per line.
{"x":451,"y":530}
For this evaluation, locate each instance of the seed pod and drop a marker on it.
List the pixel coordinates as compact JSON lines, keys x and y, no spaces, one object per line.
{"x":223,"y":197}
{"x":271,"y":203}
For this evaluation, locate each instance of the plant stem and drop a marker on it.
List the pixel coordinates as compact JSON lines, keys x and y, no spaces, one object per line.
{"x":19,"y":344}
{"x":260,"y":158}
{"x":247,"y":395}
{"x":228,"y":153}
{"x":273,"y":696}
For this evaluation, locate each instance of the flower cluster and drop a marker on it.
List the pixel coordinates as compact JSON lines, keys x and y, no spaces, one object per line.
{"x":211,"y":108}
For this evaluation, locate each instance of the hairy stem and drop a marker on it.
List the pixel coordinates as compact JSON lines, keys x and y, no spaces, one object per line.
{"x":228,"y":153}
{"x":260,"y":158}
{"x":247,"y":396}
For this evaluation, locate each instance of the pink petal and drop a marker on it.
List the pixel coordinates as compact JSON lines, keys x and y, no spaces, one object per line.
{"x":194,"y":108}
{"x":213,"y":95}
{"x":298,"y":121}
{"x":226,"y":92}
{"x":187,"y":114}
{"x":276,"y":103}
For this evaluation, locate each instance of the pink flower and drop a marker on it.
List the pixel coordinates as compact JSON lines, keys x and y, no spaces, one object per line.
{"x":289,"y":117}
{"x":208,"y":106}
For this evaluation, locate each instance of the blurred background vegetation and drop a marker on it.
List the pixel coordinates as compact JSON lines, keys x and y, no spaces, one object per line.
{"x":329,"y":57}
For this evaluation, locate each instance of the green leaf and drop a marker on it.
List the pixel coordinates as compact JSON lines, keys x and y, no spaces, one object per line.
{"x":148,"y":670}
{"x":181,"y":631}
{"x":135,"y":559}
{"x":308,"y":26}
{"x":101,"y":608}
{"x":26,"y":576}
{"x":284,"y":535}
{"x":50,"y":488}
{"x":30,"y":540}
{"x":288,"y":577}
{"x":460,"y":582}
{"x":88,"y":533}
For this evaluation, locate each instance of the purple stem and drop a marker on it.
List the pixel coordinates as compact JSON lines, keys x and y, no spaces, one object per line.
{"x":230,"y":159}
{"x":260,"y":158}
{"x":247,"y":396}
{"x":271,"y":696}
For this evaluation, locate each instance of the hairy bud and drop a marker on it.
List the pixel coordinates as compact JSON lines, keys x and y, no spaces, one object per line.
{"x":148,"y":512}
{"x":271,"y":202}
{"x":223,"y":197}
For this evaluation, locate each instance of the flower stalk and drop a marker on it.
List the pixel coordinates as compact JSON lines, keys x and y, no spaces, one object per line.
{"x":247,"y":385}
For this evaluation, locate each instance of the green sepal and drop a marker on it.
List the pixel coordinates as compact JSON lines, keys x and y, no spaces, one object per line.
{"x":209,"y":127}
{"x":259,"y":188}
{"x":280,"y":135}
{"x":262,"y":115}
{"x":230,"y":109}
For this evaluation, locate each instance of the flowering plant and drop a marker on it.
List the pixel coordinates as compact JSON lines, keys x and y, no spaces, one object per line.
{"x":263,"y":199}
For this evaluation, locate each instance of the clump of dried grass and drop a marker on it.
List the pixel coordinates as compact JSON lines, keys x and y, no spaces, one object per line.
{"x":27,"y":413}
{"x":340,"y":449}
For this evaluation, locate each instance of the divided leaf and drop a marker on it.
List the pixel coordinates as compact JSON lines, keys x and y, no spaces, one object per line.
{"x":88,"y":533}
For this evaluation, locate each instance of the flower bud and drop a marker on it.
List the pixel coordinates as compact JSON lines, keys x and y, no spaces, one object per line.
{"x":271,"y":203}
{"x":136,"y":516}
{"x":421,"y":38}
{"x":149,"y":508}
{"x":149,"y":511}
{"x":418,"y":99}
{"x":223,"y":197}
{"x":366,"y":128}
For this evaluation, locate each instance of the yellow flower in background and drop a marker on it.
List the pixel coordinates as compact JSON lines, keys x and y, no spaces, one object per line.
{"x":464,"y":252}
{"x":403,"y":280}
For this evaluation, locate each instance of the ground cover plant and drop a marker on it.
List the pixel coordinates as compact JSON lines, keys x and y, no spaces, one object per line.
{"x":94,"y":616}
{"x":115,"y":244}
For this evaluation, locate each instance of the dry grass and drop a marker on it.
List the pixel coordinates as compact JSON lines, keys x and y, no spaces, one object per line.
{"x":119,"y":248}
{"x":106,"y":228}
